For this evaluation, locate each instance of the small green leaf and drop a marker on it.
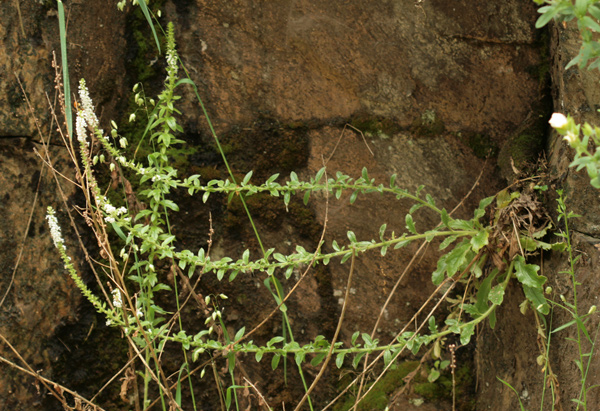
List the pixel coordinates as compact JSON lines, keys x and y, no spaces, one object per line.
{"x":484,"y":292}
{"x":247,"y":178}
{"x":306,"y":197}
{"x":496,"y":295}
{"x":457,"y":257}
{"x":357,"y":359}
{"x":382,"y":231}
{"x":466,"y":333}
{"x":438,"y":275}
{"x":445,"y":218}
{"x":537,"y":299}
{"x":239,"y":334}
{"x":433,"y":375}
{"x":354,"y":337}
{"x":351,"y":236}
{"x":365,"y":174}
{"x":480,"y":240}
{"x":447,"y":241}
{"x":527,"y":274}
{"x":387,"y":357}
{"x":548,"y":13}
{"x":339,"y":359}
{"x":410,"y":224}
{"x":318,"y":359}
{"x":460,"y":225}
{"x":319,"y":175}
{"x":275,"y":361}
{"x":258,"y":356}
{"x":231,"y":361}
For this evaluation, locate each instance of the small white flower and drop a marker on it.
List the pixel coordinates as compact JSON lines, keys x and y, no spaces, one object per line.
{"x":109,"y":219}
{"x":121,"y":210}
{"x":132,"y":117}
{"x":117,"y":301}
{"x":558,"y":120}
{"x":570,"y":137}
{"x":109,"y":208}
{"x":123,"y":142}
{"x":108,"y":322}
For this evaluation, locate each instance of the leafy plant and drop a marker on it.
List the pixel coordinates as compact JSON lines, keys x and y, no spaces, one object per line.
{"x":138,"y":246}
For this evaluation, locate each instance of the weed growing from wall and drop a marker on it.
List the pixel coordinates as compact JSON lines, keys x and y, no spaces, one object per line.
{"x":483,"y":255}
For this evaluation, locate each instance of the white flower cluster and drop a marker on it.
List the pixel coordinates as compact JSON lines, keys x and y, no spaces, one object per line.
{"x":87,"y":106}
{"x":112,"y":211}
{"x":172,"y":60}
{"x":54,"y":228}
{"x":117,"y":301}
{"x":80,"y":129}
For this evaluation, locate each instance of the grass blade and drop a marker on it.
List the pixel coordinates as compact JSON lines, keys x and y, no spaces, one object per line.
{"x":62,"y":27}
{"x":144,"y":8}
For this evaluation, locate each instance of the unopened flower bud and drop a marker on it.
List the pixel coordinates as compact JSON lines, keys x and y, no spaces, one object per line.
{"x":113,"y":124}
{"x":112,"y":166}
{"x":570,"y":137}
{"x":592,"y":309}
{"x":132,"y":117}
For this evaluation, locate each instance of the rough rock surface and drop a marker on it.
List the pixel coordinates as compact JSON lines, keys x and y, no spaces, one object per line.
{"x":575,"y":92}
{"x":434,"y":86}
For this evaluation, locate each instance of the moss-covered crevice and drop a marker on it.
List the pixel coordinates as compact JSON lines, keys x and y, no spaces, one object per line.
{"x":428,"y":124}
{"x":482,"y":145}
{"x":373,"y":126}
{"x":522,"y":149}
{"x":439,"y":391}
{"x":525,"y":145}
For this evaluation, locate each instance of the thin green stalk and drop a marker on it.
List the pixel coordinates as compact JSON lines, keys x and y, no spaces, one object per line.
{"x":582,"y":393}
{"x":166,"y":213}
{"x":62,"y":28}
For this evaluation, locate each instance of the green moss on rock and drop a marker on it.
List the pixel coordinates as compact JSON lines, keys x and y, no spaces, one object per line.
{"x":482,"y":144}
{"x":428,"y":125}
{"x":375,"y":126}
